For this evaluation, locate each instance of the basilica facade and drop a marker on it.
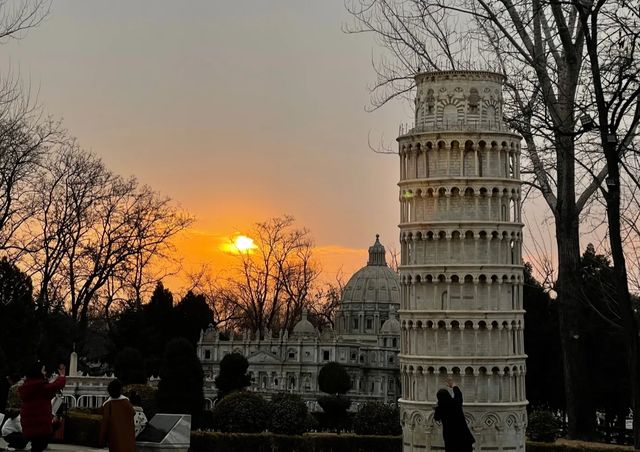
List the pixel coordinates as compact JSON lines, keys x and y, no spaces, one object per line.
{"x":366,"y":341}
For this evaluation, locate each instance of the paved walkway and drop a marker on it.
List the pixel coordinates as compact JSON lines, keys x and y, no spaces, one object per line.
{"x":59,"y":447}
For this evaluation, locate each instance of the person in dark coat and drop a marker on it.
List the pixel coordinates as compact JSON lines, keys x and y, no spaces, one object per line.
{"x":456,"y":433}
{"x":35,"y":414}
{"x":117,"y":427}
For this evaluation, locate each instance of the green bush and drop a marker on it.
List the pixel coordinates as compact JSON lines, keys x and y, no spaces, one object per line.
{"x":543,"y":426}
{"x":241,"y":412}
{"x":375,"y":418}
{"x":288,"y":414}
{"x":148,"y":396}
{"x":82,"y":428}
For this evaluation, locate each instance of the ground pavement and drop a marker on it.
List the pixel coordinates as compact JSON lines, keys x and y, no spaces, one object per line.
{"x":59,"y":448}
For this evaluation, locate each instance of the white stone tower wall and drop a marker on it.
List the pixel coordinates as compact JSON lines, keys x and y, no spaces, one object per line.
{"x":461,"y":252}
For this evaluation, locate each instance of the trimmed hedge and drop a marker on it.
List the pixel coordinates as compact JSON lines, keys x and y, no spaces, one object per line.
{"x":375,"y":418}
{"x":288,"y":414}
{"x":311,"y":442}
{"x":82,"y":428}
{"x":574,"y":446}
{"x":241,"y":412}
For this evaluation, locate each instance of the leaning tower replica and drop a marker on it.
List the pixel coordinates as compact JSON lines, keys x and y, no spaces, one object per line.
{"x":461,"y":272}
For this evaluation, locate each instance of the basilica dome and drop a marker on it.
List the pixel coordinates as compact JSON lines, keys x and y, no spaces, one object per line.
{"x":391,"y":325}
{"x":369,"y":297}
{"x":375,"y":282}
{"x":304,"y":327}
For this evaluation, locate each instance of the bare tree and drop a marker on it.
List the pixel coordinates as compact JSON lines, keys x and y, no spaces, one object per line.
{"x":227,"y":313}
{"x":22,"y":149}
{"x":23,"y":135}
{"x":271,"y":283}
{"x":17,"y":17}
{"x":325,"y":302}
{"x":546,"y":49}
{"x":95,"y":231}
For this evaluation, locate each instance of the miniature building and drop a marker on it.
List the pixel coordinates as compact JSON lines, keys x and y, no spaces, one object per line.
{"x":365,"y":341}
{"x":461,"y":272}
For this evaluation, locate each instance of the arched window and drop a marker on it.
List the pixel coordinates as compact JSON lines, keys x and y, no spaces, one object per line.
{"x":443,"y":297}
{"x":503,"y":213}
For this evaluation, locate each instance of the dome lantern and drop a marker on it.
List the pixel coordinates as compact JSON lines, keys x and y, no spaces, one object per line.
{"x":377,"y":253}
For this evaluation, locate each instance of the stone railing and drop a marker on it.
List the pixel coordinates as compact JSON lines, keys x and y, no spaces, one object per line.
{"x":454,"y":126}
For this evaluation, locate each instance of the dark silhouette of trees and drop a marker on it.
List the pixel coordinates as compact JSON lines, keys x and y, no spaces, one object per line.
{"x":18,"y":326}
{"x":607,"y":342}
{"x":181,"y":378}
{"x":545,"y":385}
{"x":129,"y":367}
{"x":191,"y":316}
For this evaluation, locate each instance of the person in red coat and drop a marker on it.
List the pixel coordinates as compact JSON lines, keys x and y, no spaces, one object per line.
{"x":35,"y":414}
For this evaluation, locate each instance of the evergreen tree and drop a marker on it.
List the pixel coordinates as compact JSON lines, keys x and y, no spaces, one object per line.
{"x":334,"y":380}
{"x":610,"y":383}
{"x":129,"y":367}
{"x":545,"y":385}
{"x":192,"y":315}
{"x":19,"y":332}
{"x":181,"y":380}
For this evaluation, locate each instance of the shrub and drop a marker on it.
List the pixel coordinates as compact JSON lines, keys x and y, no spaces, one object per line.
{"x":148,"y":395}
{"x":376,"y":418}
{"x":288,"y":414}
{"x":241,"y":412}
{"x":82,"y":428}
{"x":543,"y":426}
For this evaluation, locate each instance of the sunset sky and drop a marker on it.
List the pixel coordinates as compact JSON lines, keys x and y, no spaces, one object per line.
{"x":238,"y":110}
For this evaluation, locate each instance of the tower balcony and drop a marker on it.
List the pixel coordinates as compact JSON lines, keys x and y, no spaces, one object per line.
{"x":462,"y":126}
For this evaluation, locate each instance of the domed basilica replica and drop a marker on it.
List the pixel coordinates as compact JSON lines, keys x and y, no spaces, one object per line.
{"x":461,"y":272}
{"x":366,"y":341}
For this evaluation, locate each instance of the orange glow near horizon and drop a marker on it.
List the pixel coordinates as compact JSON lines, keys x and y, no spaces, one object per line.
{"x":200,"y":249}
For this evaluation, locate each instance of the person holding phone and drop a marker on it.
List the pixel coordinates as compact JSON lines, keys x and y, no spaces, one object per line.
{"x":455,"y":431}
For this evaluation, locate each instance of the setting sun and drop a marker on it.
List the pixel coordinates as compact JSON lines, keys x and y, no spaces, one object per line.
{"x":244,"y":243}
{"x":239,"y":244}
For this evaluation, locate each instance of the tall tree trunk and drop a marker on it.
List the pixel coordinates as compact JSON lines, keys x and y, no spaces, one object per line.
{"x":622,"y":295}
{"x":580,"y":407}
